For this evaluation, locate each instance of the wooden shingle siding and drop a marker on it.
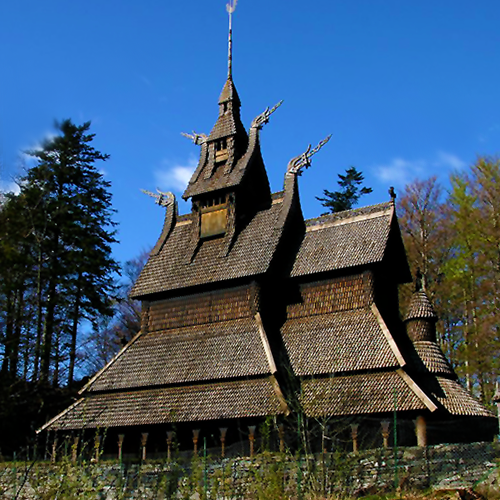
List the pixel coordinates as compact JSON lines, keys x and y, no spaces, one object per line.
{"x":421,"y":330}
{"x":334,"y":295}
{"x":201,"y":309}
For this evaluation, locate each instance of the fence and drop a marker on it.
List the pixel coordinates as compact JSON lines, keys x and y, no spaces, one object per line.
{"x":266,"y":476}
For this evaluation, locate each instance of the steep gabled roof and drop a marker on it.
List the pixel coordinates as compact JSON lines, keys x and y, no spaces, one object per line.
{"x":345,"y":239}
{"x":250,"y":255}
{"x":210,"y":177}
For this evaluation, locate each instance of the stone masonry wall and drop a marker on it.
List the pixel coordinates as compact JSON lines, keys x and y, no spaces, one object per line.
{"x":459,"y":466}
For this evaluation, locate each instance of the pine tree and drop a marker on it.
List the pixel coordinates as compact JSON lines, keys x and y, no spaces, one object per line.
{"x":73,"y":227}
{"x":350,"y":192}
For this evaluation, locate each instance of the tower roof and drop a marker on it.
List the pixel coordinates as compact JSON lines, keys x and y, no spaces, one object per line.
{"x":229,"y":122}
{"x":420,"y":307}
{"x":229,"y":93}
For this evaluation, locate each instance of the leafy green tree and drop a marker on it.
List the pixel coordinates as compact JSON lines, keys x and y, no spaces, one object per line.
{"x":348,"y":196}
{"x":456,"y":244}
{"x":475,"y":270}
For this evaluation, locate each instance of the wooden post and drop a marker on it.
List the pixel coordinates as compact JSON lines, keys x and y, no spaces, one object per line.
{"x":97,"y":445}
{"x":354,"y":436}
{"x":496,"y":399}
{"x":223,"y":432}
{"x":54,"y":450}
{"x":74,"y":449}
{"x":144,"y":440}
{"x":170,"y":436}
{"x":385,"y":432}
{"x":196,"y":435}
{"x":281,"y":432}
{"x":121,"y":437}
{"x":251,"y":437}
{"x":421,"y":429}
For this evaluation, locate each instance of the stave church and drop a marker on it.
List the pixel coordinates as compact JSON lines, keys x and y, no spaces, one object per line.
{"x":254,"y":318}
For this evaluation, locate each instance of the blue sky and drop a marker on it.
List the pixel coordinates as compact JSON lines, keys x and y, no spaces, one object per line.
{"x":407,"y":88}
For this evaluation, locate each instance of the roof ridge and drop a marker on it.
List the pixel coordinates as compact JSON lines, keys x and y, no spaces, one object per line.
{"x":346,"y":214}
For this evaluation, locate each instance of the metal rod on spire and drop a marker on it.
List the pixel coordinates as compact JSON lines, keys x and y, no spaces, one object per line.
{"x":230,"y":9}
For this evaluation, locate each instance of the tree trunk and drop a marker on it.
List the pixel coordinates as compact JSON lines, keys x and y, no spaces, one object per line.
{"x":48,"y":330}
{"x":468,"y":380}
{"x":39,"y":319}
{"x":74,"y":331}
{"x":16,"y":333}
{"x":8,"y":333}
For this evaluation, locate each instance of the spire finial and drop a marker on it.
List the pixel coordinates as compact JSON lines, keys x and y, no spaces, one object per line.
{"x":230,"y":7}
{"x":419,"y":281}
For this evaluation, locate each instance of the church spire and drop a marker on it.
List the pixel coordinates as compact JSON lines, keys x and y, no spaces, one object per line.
{"x":231,"y":6}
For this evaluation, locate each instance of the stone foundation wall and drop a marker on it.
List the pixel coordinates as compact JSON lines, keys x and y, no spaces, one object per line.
{"x":459,"y":466}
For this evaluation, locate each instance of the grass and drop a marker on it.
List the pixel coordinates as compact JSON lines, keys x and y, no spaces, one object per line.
{"x":268,"y":476}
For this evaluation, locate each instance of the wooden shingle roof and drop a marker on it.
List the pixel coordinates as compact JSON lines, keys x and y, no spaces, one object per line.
{"x":206,"y":352}
{"x":457,"y":400}
{"x":228,"y":123}
{"x":347,"y":239}
{"x":233,"y":399}
{"x":420,"y":307}
{"x":362,"y":394}
{"x":332,"y":343}
{"x":433,"y":358}
{"x":251,"y":255}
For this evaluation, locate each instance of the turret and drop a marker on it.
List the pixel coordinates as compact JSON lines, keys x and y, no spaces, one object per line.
{"x":420,"y":321}
{"x":421,"y":318}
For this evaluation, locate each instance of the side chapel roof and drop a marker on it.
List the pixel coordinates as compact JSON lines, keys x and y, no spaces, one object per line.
{"x":347,"y":239}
